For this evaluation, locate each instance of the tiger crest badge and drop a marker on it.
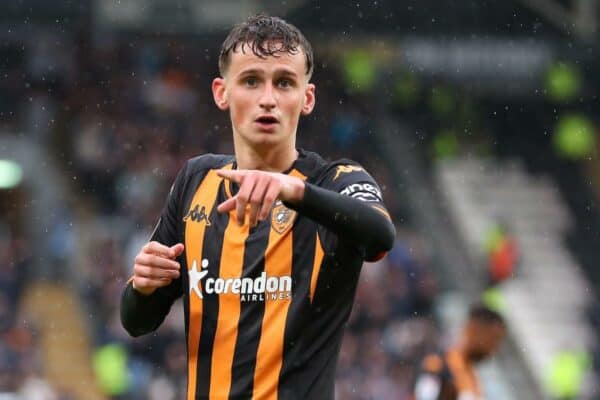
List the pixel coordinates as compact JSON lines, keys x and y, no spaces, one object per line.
{"x":282,"y":218}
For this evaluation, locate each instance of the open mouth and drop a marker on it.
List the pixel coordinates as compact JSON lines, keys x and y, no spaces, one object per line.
{"x":266,"y":122}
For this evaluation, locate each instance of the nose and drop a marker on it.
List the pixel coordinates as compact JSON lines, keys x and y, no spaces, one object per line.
{"x":267,"y":98}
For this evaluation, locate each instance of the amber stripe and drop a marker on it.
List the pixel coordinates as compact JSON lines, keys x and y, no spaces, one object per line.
{"x":194,"y":240}
{"x":382,"y":211}
{"x":316,"y":266}
{"x":232,"y":261}
{"x":269,"y":358}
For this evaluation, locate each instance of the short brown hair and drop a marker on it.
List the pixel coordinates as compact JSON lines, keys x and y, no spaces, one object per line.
{"x":265,"y":36}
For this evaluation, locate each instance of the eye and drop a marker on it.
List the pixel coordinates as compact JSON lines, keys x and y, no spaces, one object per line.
{"x":284,"y":83}
{"x":251,"y":81}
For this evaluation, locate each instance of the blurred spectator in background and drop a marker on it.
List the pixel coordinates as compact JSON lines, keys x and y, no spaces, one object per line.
{"x":451,"y":375}
{"x":502,"y":250}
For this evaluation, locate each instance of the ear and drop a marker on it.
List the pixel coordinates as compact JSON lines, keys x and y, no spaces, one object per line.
{"x":220,"y":94}
{"x":309,"y":99}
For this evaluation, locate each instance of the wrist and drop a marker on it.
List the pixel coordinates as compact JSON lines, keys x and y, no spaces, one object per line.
{"x":297,"y":192}
{"x":142,"y":291}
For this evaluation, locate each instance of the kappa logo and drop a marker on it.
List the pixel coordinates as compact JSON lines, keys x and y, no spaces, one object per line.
{"x":282,"y":218}
{"x":197,"y":215}
{"x":346,"y":169}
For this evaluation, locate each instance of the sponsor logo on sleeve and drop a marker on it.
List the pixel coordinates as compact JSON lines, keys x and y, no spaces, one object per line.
{"x":363,"y":191}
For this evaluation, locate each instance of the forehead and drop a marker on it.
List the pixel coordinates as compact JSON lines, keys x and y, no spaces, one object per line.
{"x":243,"y":59}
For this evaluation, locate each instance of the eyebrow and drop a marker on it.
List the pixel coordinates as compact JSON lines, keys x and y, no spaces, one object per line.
{"x":280,"y":71}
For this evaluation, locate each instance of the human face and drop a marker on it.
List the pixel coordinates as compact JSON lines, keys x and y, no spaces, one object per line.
{"x":265,"y":97}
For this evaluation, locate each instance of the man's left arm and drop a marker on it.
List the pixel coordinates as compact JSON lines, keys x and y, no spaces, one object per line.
{"x":349,"y":202}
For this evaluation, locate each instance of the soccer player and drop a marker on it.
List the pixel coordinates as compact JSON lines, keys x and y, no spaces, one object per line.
{"x":266,"y":245}
{"x":452,"y":375}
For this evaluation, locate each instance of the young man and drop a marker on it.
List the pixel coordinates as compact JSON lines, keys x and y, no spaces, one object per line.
{"x":265,"y":246}
{"x":452,"y":376}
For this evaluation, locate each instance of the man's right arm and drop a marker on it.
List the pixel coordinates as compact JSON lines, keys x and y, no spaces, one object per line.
{"x":156,"y":280}
{"x":155,"y":285}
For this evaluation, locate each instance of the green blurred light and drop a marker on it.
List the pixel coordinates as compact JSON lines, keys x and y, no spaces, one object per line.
{"x":445,"y":145}
{"x":11,"y":174}
{"x":574,"y":137}
{"x":563,"y":82}
{"x":110,"y":366}
{"x":494,"y":299}
{"x":493,"y":238}
{"x":406,"y":89}
{"x":566,"y":373}
{"x":442,"y":101}
{"x":359,"y":69}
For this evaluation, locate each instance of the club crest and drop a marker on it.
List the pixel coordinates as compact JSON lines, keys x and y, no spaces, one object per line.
{"x":282,"y":218}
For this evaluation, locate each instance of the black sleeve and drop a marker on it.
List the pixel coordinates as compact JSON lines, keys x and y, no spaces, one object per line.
{"x":348,"y":202}
{"x":141,"y":314}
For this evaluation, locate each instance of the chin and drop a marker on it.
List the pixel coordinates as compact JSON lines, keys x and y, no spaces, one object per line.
{"x":264,"y":138}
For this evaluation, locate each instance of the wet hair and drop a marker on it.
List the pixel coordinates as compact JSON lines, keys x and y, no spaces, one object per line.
{"x":266,"y":36}
{"x":486,"y":315}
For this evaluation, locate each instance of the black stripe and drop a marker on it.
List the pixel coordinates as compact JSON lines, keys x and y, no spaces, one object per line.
{"x":251,"y":317}
{"x":299,"y":313}
{"x":212,"y":249}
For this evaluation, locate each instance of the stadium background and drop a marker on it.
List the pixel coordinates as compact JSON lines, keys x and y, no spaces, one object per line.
{"x":478,"y":119}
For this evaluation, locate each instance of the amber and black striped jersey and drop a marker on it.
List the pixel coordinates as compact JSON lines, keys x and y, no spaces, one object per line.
{"x":265,"y":307}
{"x":447,"y":376}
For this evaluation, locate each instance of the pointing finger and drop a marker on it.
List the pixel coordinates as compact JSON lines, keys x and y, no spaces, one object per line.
{"x":256,"y":199}
{"x":232,"y":175}
{"x":269,"y":199}
{"x":243,"y":197}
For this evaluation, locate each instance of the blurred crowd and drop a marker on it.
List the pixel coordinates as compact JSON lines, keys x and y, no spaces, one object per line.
{"x":21,"y":361}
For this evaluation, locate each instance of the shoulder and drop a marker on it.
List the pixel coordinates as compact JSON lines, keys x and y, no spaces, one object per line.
{"x":342,"y":168}
{"x":202,"y":163}
{"x":319,"y":169}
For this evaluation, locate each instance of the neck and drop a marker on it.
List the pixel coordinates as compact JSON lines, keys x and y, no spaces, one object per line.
{"x":271,"y":159}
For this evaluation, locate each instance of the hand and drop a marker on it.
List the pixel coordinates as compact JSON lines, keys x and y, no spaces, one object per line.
{"x":260,"y":189}
{"x":155,"y":267}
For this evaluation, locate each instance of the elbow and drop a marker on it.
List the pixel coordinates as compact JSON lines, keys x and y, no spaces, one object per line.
{"x":383,"y":243}
{"x":133,"y":326}
{"x":388,"y":236}
{"x":132,"y":329}
{"x":134,"y":332}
